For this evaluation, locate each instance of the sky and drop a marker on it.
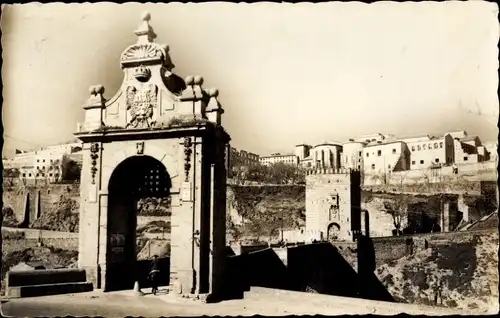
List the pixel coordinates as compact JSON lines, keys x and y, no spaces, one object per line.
{"x":287,"y":73}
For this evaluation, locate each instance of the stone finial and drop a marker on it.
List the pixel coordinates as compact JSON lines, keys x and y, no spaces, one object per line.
{"x":189,"y":80}
{"x":198,"y":81}
{"x":145,"y":33}
{"x":96,"y":98}
{"x":214,"y":110}
{"x":213,"y":92}
{"x":96,"y":89}
{"x":188,"y":93}
{"x":213,"y":103}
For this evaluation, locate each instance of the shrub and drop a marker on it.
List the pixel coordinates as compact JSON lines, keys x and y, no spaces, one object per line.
{"x":9,"y":218}
{"x":8,"y":235}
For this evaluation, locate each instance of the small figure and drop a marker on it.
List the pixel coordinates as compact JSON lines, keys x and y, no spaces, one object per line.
{"x":409,"y":246}
{"x":153,"y":274}
{"x":438,"y":289}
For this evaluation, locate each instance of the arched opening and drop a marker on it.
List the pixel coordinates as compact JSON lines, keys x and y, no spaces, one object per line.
{"x":333,"y":232}
{"x":138,"y":224}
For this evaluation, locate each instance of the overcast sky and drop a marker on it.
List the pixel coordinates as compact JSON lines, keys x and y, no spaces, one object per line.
{"x":287,"y":73}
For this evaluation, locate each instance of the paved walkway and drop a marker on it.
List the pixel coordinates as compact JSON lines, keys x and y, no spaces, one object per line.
{"x":259,"y":301}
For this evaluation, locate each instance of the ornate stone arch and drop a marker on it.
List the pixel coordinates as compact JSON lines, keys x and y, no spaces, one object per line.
{"x":149,"y":150}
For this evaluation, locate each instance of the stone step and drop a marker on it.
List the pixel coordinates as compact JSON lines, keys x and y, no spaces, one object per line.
{"x":49,"y":289}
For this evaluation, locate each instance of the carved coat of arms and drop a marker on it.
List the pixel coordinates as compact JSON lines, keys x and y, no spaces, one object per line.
{"x":141,"y":104}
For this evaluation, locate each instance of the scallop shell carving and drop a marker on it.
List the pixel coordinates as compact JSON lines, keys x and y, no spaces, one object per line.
{"x":141,"y":51}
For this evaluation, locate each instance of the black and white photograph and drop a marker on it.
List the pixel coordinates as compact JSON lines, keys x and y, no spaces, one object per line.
{"x":240,"y":159}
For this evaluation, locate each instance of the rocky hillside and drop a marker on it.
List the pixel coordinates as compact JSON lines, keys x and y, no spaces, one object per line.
{"x":264,"y":209}
{"x":16,"y":249}
{"x":63,"y":216}
{"x":464,"y":272}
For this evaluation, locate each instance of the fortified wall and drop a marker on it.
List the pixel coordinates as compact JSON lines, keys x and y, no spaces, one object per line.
{"x":29,"y":202}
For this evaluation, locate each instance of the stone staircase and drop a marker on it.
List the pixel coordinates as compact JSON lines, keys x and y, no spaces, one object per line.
{"x":44,"y":282}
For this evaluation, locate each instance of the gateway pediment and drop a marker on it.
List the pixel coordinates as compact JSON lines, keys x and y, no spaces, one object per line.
{"x":151,"y":95}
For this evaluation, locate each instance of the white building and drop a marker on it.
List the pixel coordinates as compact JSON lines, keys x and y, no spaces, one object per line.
{"x":324,"y":155}
{"x":352,"y":155}
{"x":302,"y":151}
{"x":45,"y":163}
{"x":381,"y":158}
{"x":427,"y":151}
{"x":279,"y":158}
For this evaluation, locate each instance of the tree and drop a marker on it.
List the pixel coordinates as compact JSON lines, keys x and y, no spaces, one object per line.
{"x":281,"y":173}
{"x":398,"y":206}
{"x":9,"y":175}
{"x":380,"y":177}
{"x":70,"y":169}
{"x":398,"y":209}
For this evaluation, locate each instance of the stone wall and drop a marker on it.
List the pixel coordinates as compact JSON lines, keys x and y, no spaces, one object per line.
{"x":484,"y":171}
{"x":15,"y":197}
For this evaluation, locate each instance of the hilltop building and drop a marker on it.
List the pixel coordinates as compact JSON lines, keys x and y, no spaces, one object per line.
{"x":385,"y":157}
{"x":385,"y":153}
{"x":279,"y":158}
{"x":324,"y":155}
{"x":45,"y":163}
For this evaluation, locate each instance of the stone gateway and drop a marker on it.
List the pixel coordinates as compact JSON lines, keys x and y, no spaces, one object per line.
{"x":158,"y":136}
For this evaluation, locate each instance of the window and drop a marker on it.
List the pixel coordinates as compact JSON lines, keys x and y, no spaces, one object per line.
{"x":367,"y":154}
{"x":412,"y":148}
{"x":441,"y":145}
{"x":37,"y":167}
{"x":373,"y":166}
{"x":437,"y":160}
{"x":360,"y":153}
{"x":389,"y":166}
{"x":465,"y":158}
{"x":379,"y":153}
{"x":421,"y":162}
{"x":413,"y":162}
{"x":393,"y":150}
{"x":359,"y":167}
{"x":24,"y":175}
{"x":43,"y":160}
{"x":29,"y":174}
{"x":38,"y":160}
{"x":418,"y":148}
{"x":50,"y":174}
{"x":51,"y":160}
{"x":43,"y":174}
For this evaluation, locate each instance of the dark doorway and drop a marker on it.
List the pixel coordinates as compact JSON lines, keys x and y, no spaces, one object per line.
{"x":333,"y":232}
{"x":134,"y":180}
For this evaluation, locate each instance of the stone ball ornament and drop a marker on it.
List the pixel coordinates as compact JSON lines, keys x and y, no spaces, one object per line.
{"x":198,"y":80}
{"x":99,"y":89}
{"x":189,"y":80}
{"x":96,"y":89}
{"x":213,"y":92}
